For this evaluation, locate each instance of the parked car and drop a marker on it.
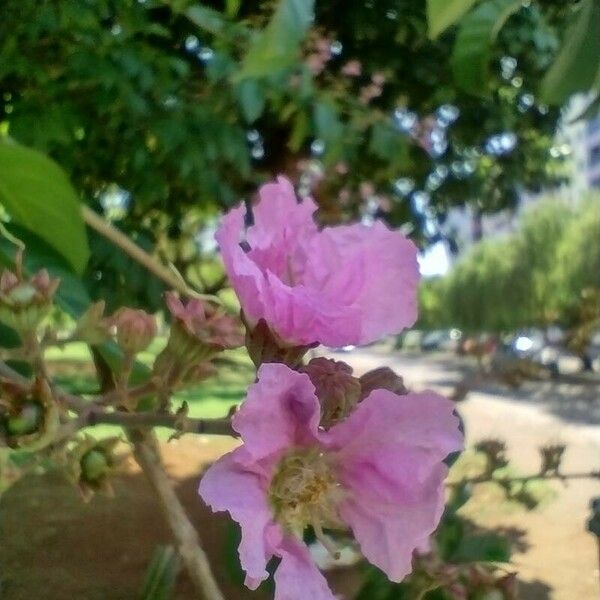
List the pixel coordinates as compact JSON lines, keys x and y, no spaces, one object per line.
{"x":442,"y":340}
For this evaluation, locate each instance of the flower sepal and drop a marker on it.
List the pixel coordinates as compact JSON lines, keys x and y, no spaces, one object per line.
{"x":29,"y":417}
{"x":265,"y":346}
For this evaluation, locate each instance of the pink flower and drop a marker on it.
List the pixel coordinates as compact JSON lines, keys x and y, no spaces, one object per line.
{"x":352,"y":68}
{"x":379,"y":473}
{"x":350,"y":284}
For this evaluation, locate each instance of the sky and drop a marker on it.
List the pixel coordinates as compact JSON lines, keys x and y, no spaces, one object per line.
{"x":435,"y":260}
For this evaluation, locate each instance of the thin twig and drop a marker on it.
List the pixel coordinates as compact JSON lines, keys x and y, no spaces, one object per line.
{"x":90,"y":413}
{"x":193,"y":555}
{"x":119,"y":239}
{"x":523,"y":478}
{"x":150,"y":419}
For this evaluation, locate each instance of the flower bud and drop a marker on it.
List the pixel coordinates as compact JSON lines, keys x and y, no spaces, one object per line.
{"x":24,"y":303}
{"x":337,"y":390}
{"x":198,"y":332}
{"x":29,"y":418}
{"x":382,"y":378}
{"x":135,"y":329}
{"x":92,"y":463}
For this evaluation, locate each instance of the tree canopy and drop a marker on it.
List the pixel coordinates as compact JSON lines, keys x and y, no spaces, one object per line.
{"x":397,"y":109}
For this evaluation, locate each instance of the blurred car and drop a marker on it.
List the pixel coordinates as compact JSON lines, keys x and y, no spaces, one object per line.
{"x":446,"y":340}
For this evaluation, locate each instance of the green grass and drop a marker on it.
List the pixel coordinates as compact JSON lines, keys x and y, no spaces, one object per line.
{"x":212,"y":398}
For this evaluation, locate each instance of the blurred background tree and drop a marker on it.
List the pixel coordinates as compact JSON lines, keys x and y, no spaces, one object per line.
{"x":533,"y":277}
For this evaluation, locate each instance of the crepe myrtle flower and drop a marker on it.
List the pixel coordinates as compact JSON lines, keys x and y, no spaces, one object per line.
{"x":378,"y":473}
{"x":342,"y":285}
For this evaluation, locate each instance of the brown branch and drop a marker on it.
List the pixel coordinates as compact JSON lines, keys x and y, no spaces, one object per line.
{"x":149,"y":419}
{"x":122,"y":241}
{"x":146,"y":453}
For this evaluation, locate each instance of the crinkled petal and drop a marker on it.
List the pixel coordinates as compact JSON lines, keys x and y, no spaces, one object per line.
{"x":422,"y":420}
{"x":280,"y":411}
{"x":371,"y":272}
{"x":228,"y":485}
{"x":390,"y":455}
{"x":389,"y":533}
{"x":297,"y":577}
{"x":279,"y":218}
{"x":303,"y":316}
{"x":246,"y":277}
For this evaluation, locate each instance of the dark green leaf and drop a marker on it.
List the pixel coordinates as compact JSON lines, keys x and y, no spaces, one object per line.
{"x":577,"y":66}
{"x":38,"y":195}
{"x":277,"y":46}
{"x":8,"y":337}
{"x":472,"y":47}
{"x":251,"y":98}
{"x":486,"y":547}
{"x":328,"y":125}
{"x":442,"y":14}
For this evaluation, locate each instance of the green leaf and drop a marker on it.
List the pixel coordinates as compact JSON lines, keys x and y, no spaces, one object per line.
{"x":277,"y":46}
{"x":159,"y":580}
{"x":442,"y":14}
{"x":232,"y":7}
{"x":472,"y":48}
{"x":251,"y":98}
{"x":485,"y":547}
{"x":38,"y":195}
{"x":577,"y":66}
{"x":327,"y":122}
{"x":206,"y":18}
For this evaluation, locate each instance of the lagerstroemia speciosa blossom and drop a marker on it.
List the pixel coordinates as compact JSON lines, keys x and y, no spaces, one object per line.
{"x":378,"y":473}
{"x":349,"y":284}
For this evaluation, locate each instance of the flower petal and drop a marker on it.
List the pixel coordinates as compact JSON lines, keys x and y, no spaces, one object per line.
{"x":390,"y":455}
{"x":245,"y":276}
{"x":420,"y":419}
{"x":280,"y":411}
{"x":371,"y":273}
{"x":228,"y":485}
{"x":389,"y":533}
{"x":297,"y":577}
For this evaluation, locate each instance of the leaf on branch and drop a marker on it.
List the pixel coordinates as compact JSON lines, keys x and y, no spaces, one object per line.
{"x":577,"y":66}
{"x":38,"y":195}
{"x":206,"y":18}
{"x":472,"y":47}
{"x":277,"y":46}
{"x":442,"y":14}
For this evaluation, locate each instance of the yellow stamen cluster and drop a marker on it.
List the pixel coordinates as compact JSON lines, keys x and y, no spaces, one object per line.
{"x":305,"y":491}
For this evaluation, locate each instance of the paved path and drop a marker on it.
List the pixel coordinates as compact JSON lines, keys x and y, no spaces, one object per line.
{"x":557,"y":557}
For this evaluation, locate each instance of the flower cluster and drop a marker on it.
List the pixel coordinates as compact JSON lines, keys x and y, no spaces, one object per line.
{"x":323,"y":450}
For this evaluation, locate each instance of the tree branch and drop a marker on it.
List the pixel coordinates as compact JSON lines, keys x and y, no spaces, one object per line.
{"x":90,"y":413}
{"x":149,"y":420}
{"x":194,"y":557}
{"x":119,"y":239}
